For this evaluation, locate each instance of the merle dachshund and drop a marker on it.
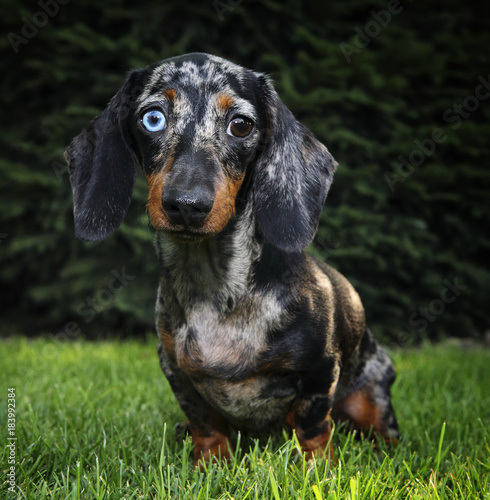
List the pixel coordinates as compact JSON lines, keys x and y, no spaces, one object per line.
{"x":254,"y":332}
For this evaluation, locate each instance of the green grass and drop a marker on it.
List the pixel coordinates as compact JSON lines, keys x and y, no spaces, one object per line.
{"x":96,"y":420}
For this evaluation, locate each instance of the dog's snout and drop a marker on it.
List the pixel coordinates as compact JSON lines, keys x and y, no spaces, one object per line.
{"x":186,"y":209}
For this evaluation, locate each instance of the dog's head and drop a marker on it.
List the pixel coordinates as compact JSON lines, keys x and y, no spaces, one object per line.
{"x":199,"y":126}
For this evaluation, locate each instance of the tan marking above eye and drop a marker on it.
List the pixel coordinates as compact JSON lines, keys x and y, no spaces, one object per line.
{"x":170,"y":94}
{"x":225,"y":102}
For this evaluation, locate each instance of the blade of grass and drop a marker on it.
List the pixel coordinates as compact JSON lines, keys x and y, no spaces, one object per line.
{"x":439,"y":449}
{"x":316,"y":492}
{"x":275,"y":490}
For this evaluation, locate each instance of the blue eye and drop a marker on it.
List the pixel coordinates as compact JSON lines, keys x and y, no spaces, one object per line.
{"x":154,"y":121}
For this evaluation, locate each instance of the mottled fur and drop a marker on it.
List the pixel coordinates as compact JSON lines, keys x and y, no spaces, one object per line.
{"x":254,"y":333}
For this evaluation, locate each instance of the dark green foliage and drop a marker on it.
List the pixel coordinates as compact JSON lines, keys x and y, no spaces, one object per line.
{"x":400,"y":231}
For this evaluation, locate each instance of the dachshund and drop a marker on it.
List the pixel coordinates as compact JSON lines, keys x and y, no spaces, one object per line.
{"x":254,"y":333}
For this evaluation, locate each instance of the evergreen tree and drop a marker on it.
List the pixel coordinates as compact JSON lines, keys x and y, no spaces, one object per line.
{"x":398,"y":92}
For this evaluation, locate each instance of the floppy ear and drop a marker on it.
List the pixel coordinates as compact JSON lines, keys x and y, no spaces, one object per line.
{"x":291,"y":178}
{"x":102,"y":169}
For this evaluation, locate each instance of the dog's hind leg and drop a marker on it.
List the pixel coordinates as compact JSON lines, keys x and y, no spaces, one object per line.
{"x":363,"y":396}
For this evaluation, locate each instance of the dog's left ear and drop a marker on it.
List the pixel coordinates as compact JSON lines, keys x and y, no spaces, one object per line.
{"x":291,"y":178}
{"x":102,"y":167}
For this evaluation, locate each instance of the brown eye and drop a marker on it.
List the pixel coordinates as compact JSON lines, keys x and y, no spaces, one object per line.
{"x":240,"y":127}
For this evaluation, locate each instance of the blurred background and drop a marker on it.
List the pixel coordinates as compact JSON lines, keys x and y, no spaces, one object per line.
{"x":399,"y":91}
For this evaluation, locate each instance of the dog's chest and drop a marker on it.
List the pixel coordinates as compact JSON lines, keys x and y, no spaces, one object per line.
{"x":223,"y":356}
{"x":225,"y":345}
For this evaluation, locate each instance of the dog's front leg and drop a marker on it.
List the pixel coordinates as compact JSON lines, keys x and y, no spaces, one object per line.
{"x":311,"y":423}
{"x":209,"y":430}
{"x":210,"y":436}
{"x":310,"y":415}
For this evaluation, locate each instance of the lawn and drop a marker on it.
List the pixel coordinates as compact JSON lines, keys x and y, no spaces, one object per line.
{"x":96,"y":420}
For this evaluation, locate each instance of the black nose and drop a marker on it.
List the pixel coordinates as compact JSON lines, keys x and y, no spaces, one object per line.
{"x":186,"y":209}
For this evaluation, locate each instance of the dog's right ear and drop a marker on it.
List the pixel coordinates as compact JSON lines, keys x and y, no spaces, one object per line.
{"x":102,"y":167}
